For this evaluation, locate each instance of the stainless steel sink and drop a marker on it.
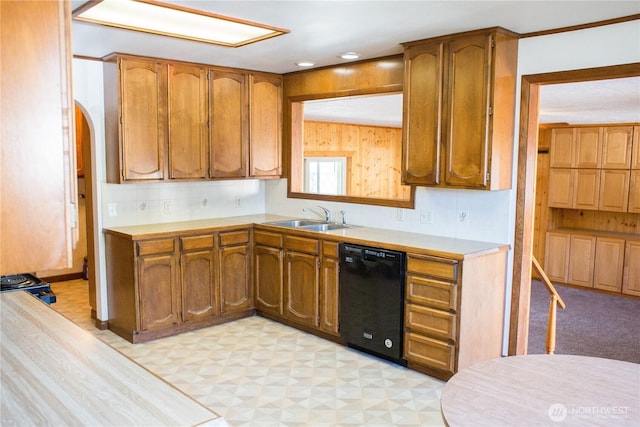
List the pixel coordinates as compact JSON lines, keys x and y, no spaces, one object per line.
{"x":296,"y":223}
{"x":324,"y":227}
{"x":308,"y":224}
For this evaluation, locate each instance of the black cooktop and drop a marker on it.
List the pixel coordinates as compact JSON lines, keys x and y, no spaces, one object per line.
{"x":16,"y":282}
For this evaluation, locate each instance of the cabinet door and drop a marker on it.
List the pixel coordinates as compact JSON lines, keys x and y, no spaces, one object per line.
{"x":302,"y":279}
{"x":588,"y":147}
{"x":614,"y":190}
{"x":268,"y":278}
{"x":616,"y":147}
{"x":586,"y":190}
{"x":635,"y":148}
{"x":556,"y":256}
{"x":562,"y":145}
{"x":631,"y":279}
{"x":36,"y":160}
{"x":423,"y":110}
{"x":143,"y":118}
{"x":609,"y":262}
{"x":561,"y":188}
{"x":467,"y":88}
{"x":634,"y":192}
{"x":199,"y":297}
{"x":158,"y":292}
{"x":235,"y":275}
{"x":188,"y":118}
{"x":229,"y":126}
{"x":266,"y":126}
{"x":581,"y":260}
{"x":329,"y":294}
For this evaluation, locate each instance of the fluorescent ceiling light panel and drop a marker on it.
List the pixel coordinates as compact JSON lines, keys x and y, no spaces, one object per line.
{"x":174,"y":21}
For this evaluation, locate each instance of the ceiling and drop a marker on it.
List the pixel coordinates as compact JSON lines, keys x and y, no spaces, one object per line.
{"x":321,"y":30}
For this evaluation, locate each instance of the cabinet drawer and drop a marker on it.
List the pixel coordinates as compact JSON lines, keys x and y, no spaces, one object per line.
{"x":330,"y":249}
{"x":428,"y":321}
{"x":429,"y":352}
{"x":433,"y":266}
{"x":301,"y":244}
{"x":159,"y":246}
{"x":267,"y":239}
{"x":234,"y":238}
{"x":197,"y":242}
{"x":434,"y":293}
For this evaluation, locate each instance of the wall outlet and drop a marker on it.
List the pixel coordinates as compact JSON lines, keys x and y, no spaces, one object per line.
{"x":112,"y":209}
{"x":238,"y":202}
{"x":167,"y":207}
{"x":426,"y":216}
{"x":399,"y":214}
{"x":142,"y":206}
{"x":463,"y":217}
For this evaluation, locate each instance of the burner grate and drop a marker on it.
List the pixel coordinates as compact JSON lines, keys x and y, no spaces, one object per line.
{"x":18,"y":281}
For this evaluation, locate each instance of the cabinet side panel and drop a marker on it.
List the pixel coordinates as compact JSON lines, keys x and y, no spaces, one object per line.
{"x":482,"y":308}
{"x":502,"y":123}
{"x":36,"y":132}
{"x":121,"y":283}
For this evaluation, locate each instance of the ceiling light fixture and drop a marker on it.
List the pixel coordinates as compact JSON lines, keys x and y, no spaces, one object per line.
{"x":153,"y":17}
{"x":349,"y":55}
{"x":305,"y":64}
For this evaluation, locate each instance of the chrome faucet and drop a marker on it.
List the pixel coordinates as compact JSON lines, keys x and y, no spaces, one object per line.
{"x":327,"y":213}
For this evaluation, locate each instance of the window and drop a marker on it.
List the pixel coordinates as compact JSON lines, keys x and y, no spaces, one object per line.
{"x":325,"y":175}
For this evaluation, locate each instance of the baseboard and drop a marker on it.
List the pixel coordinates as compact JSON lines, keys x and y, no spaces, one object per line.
{"x":62,"y":277}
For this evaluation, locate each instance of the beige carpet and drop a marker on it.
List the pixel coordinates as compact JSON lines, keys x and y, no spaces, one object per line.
{"x":593,"y":324}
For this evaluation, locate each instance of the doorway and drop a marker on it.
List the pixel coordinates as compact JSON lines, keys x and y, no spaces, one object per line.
{"x":525,"y":199}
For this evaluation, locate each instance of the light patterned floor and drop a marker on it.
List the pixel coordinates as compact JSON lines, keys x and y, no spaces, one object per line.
{"x":255,"y":372}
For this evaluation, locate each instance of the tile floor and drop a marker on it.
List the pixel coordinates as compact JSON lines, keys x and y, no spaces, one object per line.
{"x":256,"y":372}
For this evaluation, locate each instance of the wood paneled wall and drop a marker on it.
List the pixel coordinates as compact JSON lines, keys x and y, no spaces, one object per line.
{"x":375,"y":154}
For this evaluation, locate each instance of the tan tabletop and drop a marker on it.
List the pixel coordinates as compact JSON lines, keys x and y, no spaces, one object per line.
{"x":54,"y":373}
{"x":544,"y":390}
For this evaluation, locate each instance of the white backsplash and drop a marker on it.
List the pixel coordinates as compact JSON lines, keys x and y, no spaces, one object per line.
{"x":437,"y":212}
{"x":159,"y":202}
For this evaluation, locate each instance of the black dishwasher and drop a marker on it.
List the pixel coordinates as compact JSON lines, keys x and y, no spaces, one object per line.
{"x":372,"y":300}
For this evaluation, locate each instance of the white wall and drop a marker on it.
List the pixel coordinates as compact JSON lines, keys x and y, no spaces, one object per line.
{"x":490,"y":215}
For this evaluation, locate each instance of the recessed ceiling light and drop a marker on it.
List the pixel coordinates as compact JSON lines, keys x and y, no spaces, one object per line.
{"x":153,"y":17}
{"x":349,"y":55}
{"x":305,"y":64}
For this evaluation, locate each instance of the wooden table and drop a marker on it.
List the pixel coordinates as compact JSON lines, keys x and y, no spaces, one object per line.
{"x":542,"y":390}
{"x":54,"y":373}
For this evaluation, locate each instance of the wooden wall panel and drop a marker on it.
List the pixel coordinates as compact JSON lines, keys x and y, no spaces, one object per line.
{"x":375,"y":155}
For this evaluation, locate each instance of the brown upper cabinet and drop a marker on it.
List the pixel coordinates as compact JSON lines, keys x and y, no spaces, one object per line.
{"x":188,"y":117}
{"x":183,"y":121}
{"x":459,"y":108}
{"x":266,"y":125}
{"x":229,"y":132}
{"x":135,"y":118}
{"x":590,"y":168}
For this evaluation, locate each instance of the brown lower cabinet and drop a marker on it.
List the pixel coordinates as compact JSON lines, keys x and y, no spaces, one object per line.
{"x":600,"y":260}
{"x":438,"y":296}
{"x":296,"y":280}
{"x":163,"y":286}
{"x":171,"y":283}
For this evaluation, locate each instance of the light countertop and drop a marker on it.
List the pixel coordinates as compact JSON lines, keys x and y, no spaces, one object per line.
{"x":390,"y":239}
{"x":55,"y":373}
